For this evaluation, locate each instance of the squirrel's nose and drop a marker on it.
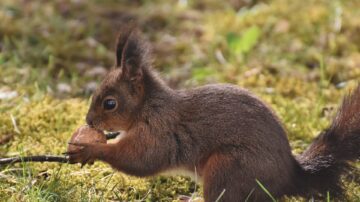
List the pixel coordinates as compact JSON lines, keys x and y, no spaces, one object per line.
{"x":89,"y":120}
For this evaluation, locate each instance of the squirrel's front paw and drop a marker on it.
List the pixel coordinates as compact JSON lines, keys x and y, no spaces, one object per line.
{"x":86,"y":154}
{"x":85,"y":144}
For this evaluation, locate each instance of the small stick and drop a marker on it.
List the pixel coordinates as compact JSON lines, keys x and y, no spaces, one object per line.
{"x":40,"y":158}
{"x":43,"y":158}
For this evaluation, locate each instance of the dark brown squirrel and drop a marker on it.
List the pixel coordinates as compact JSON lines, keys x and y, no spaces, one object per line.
{"x":230,"y":136}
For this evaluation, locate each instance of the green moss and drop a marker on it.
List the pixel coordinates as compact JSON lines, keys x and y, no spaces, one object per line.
{"x":45,"y":127}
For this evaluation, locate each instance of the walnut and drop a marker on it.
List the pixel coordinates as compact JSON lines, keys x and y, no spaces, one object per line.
{"x":86,"y":134}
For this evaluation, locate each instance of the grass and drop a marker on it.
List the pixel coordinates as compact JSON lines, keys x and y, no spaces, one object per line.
{"x":265,"y":190}
{"x":301,"y":57}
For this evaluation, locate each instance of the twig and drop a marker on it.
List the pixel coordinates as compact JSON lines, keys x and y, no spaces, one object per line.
{"x":40,"y":158}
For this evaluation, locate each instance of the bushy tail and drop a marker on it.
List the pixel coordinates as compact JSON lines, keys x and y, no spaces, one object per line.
{"x":328,"y":157}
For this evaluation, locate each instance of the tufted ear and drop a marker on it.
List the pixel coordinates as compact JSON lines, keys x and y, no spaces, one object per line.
{"x":122,"y":39}
{"x":131,"y":55}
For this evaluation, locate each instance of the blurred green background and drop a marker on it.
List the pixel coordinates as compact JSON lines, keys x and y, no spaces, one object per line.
{"x":301,"y":57}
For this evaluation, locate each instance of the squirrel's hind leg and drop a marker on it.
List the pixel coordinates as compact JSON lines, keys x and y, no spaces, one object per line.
{"x":227,"y":180}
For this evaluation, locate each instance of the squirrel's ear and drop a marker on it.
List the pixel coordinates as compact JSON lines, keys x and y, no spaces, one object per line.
{"x":131,"y":70}
{"x":120,"y":45}
{"x":131,"y":55}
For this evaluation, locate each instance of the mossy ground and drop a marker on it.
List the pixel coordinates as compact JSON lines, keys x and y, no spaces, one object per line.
{"x":299,"y":56}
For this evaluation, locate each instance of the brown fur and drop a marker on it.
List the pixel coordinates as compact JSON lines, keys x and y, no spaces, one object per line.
{"x":229,"y":135}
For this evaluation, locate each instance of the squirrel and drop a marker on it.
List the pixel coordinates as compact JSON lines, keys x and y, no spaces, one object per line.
{"x":232,"y":138}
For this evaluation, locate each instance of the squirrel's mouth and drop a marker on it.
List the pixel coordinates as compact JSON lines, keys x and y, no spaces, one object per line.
{"x":111,"y":135}
{"x":109,"y":132}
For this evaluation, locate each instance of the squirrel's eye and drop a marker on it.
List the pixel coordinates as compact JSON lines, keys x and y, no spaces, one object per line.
{"x":109,"y":104}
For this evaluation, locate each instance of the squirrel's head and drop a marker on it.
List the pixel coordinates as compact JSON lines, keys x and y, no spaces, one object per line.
{"x":121,"y":94}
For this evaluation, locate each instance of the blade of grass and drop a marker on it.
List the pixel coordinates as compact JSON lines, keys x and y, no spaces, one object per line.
{"x":247,"y":198}
{"x":265,"y":190}
{"x":221,"y":194}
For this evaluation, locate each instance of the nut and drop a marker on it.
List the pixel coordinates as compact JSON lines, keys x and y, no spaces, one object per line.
{"x":86,"y":134}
